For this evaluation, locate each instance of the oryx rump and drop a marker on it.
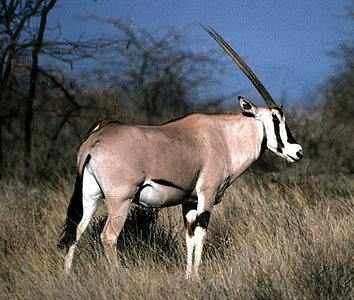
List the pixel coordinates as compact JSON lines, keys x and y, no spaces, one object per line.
{"x":190,"y":161}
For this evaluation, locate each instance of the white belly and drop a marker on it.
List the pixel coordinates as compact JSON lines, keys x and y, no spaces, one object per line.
{"x":154,"y":194}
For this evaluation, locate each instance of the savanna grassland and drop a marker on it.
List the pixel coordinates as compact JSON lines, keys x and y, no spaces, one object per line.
{"x":283,"y":237}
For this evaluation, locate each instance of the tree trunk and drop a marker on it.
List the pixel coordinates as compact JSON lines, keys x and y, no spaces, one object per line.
{"x":32,"y":88}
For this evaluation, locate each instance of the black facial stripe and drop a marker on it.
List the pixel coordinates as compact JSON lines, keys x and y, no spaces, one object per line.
{"x":291,"y":139}
{"x":277,"y":133}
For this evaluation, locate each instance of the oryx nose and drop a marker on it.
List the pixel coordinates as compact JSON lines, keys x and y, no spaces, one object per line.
{"x":300,"y":154}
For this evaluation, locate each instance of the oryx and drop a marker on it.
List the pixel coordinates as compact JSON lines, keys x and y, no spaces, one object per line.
{"x":190,"y":161}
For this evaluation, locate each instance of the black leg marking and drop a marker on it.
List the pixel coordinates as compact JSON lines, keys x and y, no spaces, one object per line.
{"x":202,"y":219}
{"x":190,"y":227}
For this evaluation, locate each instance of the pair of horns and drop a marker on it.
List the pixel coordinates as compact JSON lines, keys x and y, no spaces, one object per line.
{"x":243,"y":66}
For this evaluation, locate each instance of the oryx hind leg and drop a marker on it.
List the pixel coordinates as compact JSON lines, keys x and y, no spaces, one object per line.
{"x":91,"y":194}
{"x":118,"y":204}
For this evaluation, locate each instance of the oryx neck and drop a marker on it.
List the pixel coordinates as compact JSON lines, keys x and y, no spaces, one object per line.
{"x":245,"y":139}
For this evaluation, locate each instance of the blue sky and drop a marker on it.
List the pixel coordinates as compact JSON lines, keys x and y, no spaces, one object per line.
{"x":286,"y":43}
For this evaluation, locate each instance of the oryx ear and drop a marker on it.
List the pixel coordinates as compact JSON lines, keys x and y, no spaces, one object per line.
{"x":248,"y":107}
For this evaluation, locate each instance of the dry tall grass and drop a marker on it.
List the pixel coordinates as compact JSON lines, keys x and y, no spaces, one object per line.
{"x":289,"y":238}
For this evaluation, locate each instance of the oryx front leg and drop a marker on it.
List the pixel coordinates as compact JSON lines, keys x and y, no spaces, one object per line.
{"x":189,"y":217}
{"x":196,"y":226}
{"x":202,"y":221}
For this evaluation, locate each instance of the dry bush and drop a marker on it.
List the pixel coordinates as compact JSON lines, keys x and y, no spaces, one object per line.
{"x":328,"y":144}
{"x":289,"y":238}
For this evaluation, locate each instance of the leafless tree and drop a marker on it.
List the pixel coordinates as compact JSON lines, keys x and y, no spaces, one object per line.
{"x":158,"y":73}
{"x":22,"y":40}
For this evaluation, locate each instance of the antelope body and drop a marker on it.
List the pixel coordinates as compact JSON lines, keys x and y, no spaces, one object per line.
{"x":190,"y":161}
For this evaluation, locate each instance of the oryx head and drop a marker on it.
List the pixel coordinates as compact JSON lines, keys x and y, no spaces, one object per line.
{"x":277,"y":133}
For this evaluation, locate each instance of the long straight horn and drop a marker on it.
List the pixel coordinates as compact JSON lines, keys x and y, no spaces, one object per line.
{"x":243,"y":66}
